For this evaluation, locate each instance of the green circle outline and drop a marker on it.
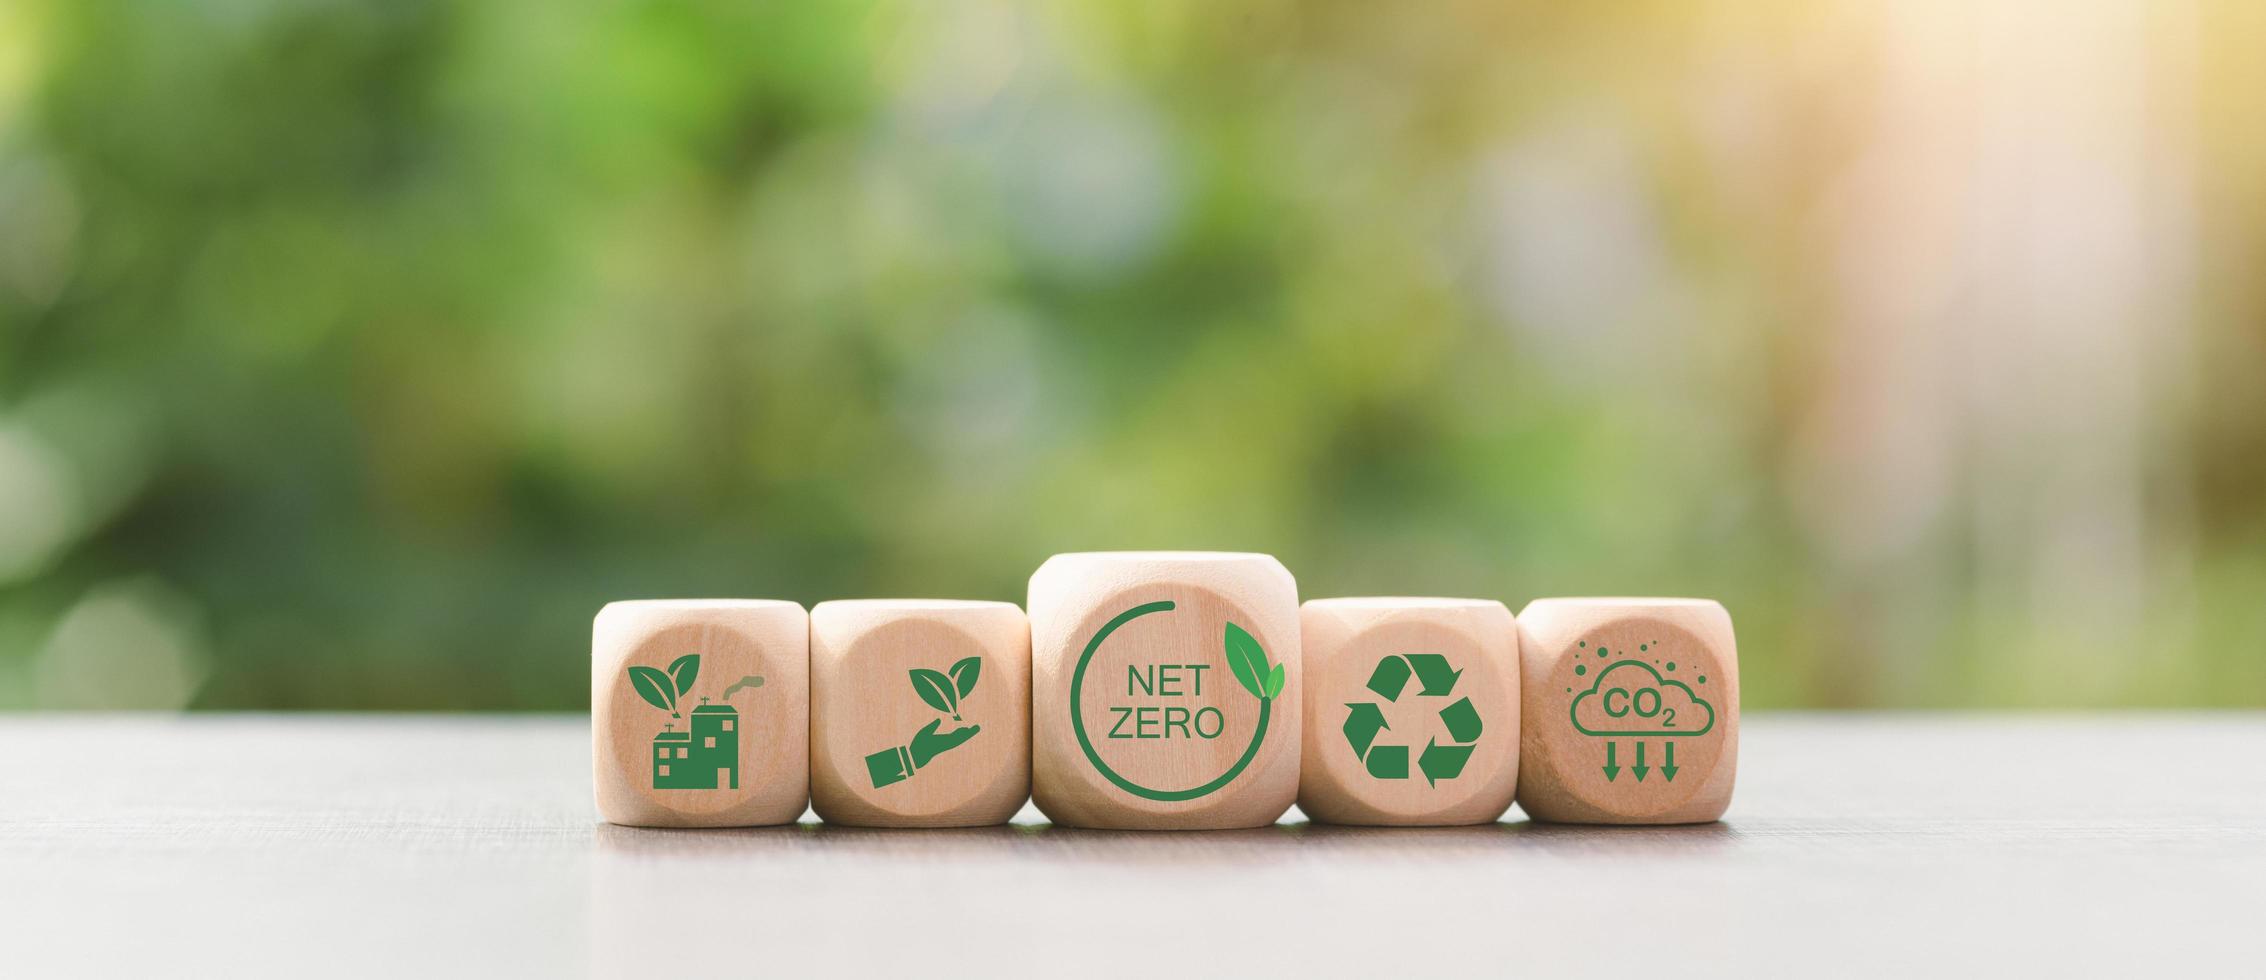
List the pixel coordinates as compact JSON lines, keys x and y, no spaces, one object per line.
{"x":1078,"y":721}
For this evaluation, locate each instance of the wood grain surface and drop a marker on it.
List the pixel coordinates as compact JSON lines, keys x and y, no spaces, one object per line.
{"x":2034,"y":845}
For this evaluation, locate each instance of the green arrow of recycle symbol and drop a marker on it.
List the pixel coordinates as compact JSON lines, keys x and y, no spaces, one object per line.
{"x":1390,"y":679}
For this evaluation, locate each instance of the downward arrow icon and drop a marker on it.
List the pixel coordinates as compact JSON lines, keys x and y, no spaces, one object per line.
{"x":1668,"y":768}
{"x":1611,"y":770}
{"x":1640,"y":768}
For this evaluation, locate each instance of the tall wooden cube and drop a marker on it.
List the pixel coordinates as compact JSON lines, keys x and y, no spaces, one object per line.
{"x":920,"y":712}
{"x":1632,"y":710}
{"x":1165,"y":690}
{"x":1412,"y":711}
{"x":700,"y":712}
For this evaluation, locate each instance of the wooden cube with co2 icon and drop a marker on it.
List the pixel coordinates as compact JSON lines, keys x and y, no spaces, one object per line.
{"x":700,"y":712}
{"x":1412,"y":711}
{"x":920,"y":712}
{"x":1165,"y":690}
{"x":1632,"y":710}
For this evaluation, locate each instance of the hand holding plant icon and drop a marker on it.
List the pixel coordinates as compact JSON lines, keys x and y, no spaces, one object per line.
{"x":942,"y":691}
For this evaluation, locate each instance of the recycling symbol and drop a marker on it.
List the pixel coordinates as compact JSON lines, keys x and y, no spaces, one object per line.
{"x":1389,"y":681}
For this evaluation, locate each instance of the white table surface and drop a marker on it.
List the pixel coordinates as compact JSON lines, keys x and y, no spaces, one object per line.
{"x":433,"y":845}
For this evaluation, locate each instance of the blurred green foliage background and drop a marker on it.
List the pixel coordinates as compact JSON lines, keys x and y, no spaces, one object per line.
{"x":353,"y":352}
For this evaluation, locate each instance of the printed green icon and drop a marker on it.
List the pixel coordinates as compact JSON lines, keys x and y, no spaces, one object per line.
{"x":1435,"y":679}
{"x":1632,"y":699}
{"x":709,"y":753}
{"x":1246,"y":659}
{"x":940,"y":690}
{"x":662,"y":690}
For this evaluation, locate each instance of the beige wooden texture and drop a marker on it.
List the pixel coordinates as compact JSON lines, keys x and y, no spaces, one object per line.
{"x":1159,"y":699}
{"x":1632,"y":710}
{"x":881,"y":754}
{"x":727,"y":728}
{"x":1347,"y":644}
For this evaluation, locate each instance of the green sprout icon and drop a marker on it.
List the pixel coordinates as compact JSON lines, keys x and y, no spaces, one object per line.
{"x":944,"y":692}
{"x":662,"y":690}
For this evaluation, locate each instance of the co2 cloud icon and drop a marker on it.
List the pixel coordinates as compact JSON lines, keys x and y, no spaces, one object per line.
{"x":1631,"y":698}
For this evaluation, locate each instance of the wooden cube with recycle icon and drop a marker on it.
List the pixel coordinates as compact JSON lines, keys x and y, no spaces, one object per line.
{"x":1412,"y":711}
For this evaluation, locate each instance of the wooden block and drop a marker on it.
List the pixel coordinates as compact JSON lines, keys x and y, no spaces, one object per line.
{"x":1412,"y":711}
{"x":700,"y":712}
{"x":1165,"y":690}
{"x":1632,"y":710}
{"x":920,"y":712}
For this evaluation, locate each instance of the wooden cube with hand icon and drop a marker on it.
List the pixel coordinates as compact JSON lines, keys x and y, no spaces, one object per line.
{"x":920,"y":712}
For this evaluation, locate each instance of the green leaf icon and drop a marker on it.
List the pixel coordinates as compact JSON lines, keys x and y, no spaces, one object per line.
{"x":1247,"y":661}
{"x":684,"y":670}
{"x":936,"y":689}
{"x":1275,"y":680}
{"x":654,"y":687}
{"x":964,"y":674}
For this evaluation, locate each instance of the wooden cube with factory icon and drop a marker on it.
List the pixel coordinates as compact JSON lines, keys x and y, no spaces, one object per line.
{"x":700,"y":712}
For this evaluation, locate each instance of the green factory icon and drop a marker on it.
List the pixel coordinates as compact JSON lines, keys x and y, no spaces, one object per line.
{"x":707,"y":756}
